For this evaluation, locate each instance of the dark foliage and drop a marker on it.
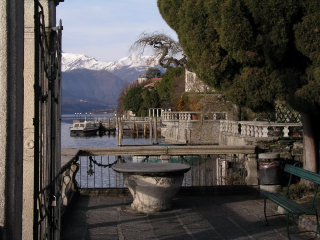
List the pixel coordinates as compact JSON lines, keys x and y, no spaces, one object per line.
{"x":255,"y":51}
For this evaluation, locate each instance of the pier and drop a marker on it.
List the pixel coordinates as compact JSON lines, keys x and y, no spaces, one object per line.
{"x":147,"y":126}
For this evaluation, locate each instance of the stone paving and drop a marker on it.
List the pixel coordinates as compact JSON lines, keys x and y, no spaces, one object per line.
{"x":192,"y":217}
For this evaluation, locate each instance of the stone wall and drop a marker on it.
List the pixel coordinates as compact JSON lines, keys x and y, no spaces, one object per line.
{"x":191,"y":132}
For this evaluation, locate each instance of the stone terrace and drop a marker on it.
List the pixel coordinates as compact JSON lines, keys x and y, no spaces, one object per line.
{"x":192,"y":217}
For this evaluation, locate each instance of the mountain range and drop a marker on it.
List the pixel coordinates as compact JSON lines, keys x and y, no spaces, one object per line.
{"x":89,"y":84}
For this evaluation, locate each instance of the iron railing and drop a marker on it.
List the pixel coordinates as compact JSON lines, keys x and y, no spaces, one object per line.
{"x":96,"y":172}
{"x":206,"y":170}
{"x":47,"y":88}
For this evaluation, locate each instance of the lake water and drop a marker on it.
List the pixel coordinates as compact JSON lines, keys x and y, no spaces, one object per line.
{"x":101,"y":177}
{"x":105,"y":177}
{"x":94,"y":141}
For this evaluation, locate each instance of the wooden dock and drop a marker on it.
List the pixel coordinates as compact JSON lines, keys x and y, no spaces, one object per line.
{"x":133,"y":125}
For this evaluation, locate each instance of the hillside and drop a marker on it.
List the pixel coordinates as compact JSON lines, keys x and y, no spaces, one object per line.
{"x":85,"y":90}
{"x":89,"y":84}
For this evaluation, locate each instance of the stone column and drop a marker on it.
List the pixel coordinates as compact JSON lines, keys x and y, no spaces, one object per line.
{"x":11,"y":117}
{"x":49,"y":7}
{"x":28,"y":153}
{"x":155,"y":130}
{"x":150,"y":129}
{"x":252,"y":170}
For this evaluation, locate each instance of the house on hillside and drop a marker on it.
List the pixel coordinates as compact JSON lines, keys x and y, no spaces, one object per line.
{"x":194,"y":84}
{"x":206,"y":99}
{"x":142,"y":79}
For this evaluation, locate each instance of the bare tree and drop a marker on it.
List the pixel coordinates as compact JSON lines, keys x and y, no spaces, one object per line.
{"x":165,"y":50}
{"x":121,"y":97}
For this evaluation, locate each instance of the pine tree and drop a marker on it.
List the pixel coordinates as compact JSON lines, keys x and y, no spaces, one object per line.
{"x":256,"y":52}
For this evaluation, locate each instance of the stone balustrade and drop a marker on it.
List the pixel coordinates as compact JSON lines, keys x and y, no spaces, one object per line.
{"x":169,"y":116}
{"x":259,"y":129}
{"x":132,"y":118}
{"x":192,"y":116}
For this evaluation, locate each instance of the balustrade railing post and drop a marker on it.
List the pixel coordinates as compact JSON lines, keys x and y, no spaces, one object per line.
{"x":265,"y":131}
{"x":256,"y":131}
{"x":252,"y":134}
{"x":235,"y":128}
{"x":243,"y":129}
{"x":286,"y":131}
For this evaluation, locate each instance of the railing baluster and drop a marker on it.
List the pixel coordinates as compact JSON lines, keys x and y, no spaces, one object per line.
{"x":87,"y":174}
{"x":109,"y":172}
{"x":80,"y":171}
{"x":101,"y":175}
{"x":94,"y":175}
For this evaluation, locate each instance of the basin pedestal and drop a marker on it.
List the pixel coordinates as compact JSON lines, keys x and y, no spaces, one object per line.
{"x":152,"y":185}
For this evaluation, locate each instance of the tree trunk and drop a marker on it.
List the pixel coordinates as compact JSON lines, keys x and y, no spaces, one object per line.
{"x":310,"y":142}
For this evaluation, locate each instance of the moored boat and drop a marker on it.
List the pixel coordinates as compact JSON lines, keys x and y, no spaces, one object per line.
{"x":84,"y":128}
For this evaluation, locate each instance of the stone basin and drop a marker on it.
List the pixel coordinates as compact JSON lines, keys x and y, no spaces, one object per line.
{"x":152,"y":185}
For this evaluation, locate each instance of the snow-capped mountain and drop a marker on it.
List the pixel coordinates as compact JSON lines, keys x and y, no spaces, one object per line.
{"x":89,"y":84}
{"x":71,"y":61}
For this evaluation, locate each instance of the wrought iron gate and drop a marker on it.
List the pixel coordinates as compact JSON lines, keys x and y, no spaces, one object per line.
{"x":47,"y":128}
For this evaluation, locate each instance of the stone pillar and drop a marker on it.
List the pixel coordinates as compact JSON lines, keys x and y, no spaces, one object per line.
{"x":252,"y":170}
{"x":144,"y":130}
{"x":28,"y":153}
{"x":120,"y":131}
{"x":155,"y":130}
{"x":137,"y":129}
{"x":49,"y":8}
{"x":150,"y":129}
{"x":11,"y":118}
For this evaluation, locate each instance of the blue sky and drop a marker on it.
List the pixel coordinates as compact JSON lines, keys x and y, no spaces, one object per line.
{"x":105,"y":29}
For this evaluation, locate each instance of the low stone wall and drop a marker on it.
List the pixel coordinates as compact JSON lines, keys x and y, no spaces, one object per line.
{"x":191,"y":132}
{"x":283,"y":138}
